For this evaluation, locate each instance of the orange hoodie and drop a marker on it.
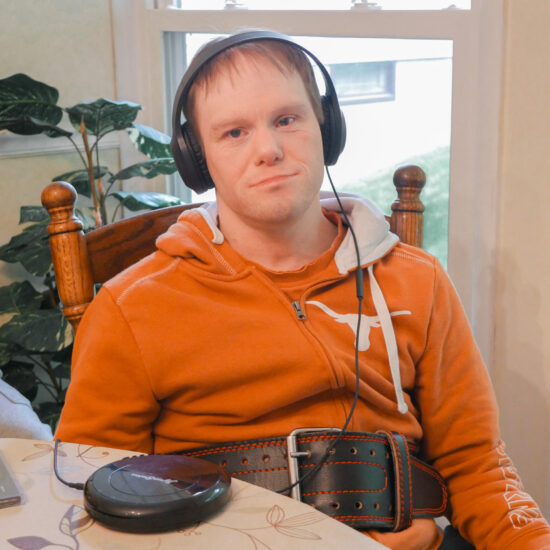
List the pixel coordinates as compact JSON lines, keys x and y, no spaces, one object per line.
{"x":195,"y":345}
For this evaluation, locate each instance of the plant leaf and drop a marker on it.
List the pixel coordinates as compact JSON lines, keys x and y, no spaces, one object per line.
{"x":149,"y":141}
{"x":103,"y":115}
{"x":49,"y":411}
{"x":63,"y":355}
{"x":63,"y":370}
{"x":33,"y":214}
{"x":31,"y":248}
{"x":19,"y":297}
{"x":39,"y":331}
{"x":20,"y":376}
{"x":51,"y":130}
{"x":147,"y":169}
{"x":28,"y":125}
{"x":148,"y":201}
{"x":6,"y":353}
{"x":79,"y":179}
{"x":86,"y":215}
{"x":23,"y":99}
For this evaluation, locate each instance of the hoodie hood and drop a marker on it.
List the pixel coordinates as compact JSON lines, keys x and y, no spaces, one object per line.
{"x":371,"y":229}
{"x":196,"y":235}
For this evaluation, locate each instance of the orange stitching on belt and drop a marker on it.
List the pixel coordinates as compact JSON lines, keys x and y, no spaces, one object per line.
{"x":240,"y":447}
{"x":353,"y":518}
{"x":345,"y":437}
{"x":336,"y":462}
{"x":410,"y":479}
{"x":282,"y":442}
{"x":338,"y":492}
{"x":256,"y":471}
{"x":400,"y":470}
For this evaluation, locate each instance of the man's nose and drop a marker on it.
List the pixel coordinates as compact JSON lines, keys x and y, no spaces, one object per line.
{"x":268,"y":146}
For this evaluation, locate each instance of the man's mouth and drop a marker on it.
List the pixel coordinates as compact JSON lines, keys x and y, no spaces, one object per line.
{"x":276,"y":178}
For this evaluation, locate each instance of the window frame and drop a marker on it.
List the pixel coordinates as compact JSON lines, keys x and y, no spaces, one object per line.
{"x":477,"y":73}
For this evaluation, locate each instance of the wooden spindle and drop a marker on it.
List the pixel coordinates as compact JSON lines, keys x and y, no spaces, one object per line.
{"x":68,"y":247}
{"x":407,"y":218}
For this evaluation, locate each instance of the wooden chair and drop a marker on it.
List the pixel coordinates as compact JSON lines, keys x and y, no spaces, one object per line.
{"x":81,"y":260}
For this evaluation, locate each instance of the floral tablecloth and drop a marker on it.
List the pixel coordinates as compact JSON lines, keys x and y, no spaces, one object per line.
{"x":52,"y":516}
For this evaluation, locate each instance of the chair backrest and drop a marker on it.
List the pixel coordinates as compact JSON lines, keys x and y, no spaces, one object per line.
{"x":80,"y":260}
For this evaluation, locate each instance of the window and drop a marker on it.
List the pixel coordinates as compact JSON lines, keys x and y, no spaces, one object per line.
{"x":377,"y":81}
{"x":461,"y":63}
{"x":363,"y":82}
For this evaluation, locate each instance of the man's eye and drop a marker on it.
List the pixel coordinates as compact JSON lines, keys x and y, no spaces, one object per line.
{"x":235,"y":133}
{"x":286,"y":120}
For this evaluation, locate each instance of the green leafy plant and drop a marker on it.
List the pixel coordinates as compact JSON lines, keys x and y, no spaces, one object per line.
{"x":35,"y":339}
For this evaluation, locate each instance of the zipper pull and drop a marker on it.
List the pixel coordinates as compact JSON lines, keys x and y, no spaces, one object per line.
{"x":299,"y":311}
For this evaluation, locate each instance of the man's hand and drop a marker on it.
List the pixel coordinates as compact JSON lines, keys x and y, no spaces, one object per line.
{"x":423,"y":534}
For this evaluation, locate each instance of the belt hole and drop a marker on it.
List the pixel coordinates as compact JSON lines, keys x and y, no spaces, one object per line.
{"x":224,"y":463}
{"x":376,"y":506}
{"x":390,"y":507}
{"x":266,"y":458}
{"x":353,"y":451}
{"x":335,"y":505}
{"x":244,"y":461}
{"x":372,"y":452}
{"x":387,"y":454}
{"x":359,"y":505}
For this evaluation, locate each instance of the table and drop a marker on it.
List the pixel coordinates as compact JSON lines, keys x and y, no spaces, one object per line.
{"x":52,"y":515}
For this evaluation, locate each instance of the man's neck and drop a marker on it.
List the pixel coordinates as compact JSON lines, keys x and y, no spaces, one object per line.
{"x":279,"y":248}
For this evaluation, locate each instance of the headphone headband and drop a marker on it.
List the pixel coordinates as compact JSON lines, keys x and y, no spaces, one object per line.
{"x":185,"y":147}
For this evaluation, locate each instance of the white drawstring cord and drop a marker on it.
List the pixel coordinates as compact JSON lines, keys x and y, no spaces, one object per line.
{"x":389,"y":338}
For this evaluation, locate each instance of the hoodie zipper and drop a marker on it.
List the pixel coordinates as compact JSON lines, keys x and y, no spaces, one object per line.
{"x":299,"y":311}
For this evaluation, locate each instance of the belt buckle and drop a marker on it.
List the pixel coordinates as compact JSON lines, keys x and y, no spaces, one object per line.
{"x":293,"y":454}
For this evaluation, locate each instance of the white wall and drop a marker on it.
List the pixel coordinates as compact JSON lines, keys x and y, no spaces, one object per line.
{"x":68,"y":45}
{"x":522,"y":324}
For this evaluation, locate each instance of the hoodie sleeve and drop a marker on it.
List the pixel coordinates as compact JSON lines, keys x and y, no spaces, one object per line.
{"x":461,"y":436}
{"x":109,"y":401}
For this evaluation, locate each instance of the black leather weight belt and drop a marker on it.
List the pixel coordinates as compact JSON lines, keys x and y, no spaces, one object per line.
{"x":368,"y":480}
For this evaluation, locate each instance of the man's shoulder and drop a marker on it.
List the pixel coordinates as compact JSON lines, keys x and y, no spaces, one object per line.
{"x":405,"y":253}
{"x":146,"y":270}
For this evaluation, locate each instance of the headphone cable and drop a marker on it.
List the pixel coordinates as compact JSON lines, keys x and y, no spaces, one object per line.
{"x":360,"y":293}
{"x":79,"y":486}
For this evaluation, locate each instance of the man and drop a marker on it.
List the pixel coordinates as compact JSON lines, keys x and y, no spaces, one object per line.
{"x":243,"y":324}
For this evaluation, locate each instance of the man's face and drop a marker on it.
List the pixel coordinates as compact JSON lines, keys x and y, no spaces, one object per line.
{"x":262,"y":144}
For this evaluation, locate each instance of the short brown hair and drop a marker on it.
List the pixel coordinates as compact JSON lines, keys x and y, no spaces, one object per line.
{"x":284,"y":56}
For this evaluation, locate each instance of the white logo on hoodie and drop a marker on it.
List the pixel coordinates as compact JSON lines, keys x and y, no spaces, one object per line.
{"x":350,"y":319}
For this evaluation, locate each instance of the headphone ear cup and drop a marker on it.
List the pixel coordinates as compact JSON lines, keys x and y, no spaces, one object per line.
{"x":333,"y":131}
{"x":190,"y":160}
{"x":326,"y":128}
{"x":197,"y":159}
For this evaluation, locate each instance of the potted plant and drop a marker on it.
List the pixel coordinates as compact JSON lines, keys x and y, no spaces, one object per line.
{"x":35,"y":339}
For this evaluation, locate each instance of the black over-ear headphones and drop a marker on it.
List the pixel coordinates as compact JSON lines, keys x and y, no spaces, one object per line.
{"x":185,"y":146}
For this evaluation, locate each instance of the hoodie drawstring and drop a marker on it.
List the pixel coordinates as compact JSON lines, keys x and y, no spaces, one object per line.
{"x":389,"y":339}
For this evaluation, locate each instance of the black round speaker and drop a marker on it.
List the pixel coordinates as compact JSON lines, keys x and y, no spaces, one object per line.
{"x":155,"y":493}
